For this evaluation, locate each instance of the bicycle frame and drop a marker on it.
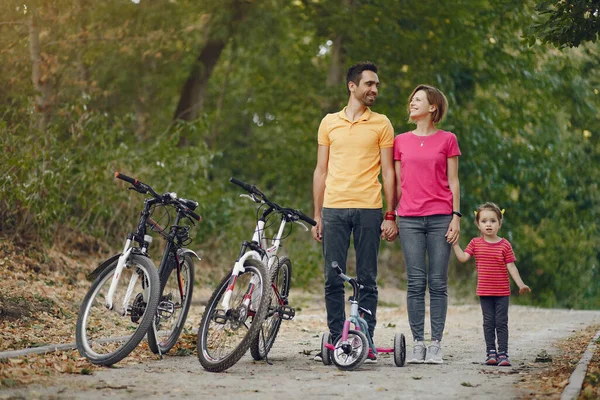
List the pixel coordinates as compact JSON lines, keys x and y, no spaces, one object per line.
{"x":145,"y":240}
{"x":258,"y":249}
{"x":355,"y":319}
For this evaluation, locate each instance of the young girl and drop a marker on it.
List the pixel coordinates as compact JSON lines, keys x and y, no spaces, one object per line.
{"x":494,"y":259}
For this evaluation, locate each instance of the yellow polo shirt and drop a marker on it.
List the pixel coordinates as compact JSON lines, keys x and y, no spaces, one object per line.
{"x":354,"y":158}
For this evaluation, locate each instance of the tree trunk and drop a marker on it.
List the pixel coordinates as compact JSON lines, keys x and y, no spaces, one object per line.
{"x":335,"y":75}
{"x":40,"y":80}
{"x":191,"y":101}
{"x":192,"y":96}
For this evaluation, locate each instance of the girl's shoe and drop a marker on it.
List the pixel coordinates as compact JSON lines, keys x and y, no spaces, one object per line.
{"x":503,"y":360}
{"x":492,"y":358}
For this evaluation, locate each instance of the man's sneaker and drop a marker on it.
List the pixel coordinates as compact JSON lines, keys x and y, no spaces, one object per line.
{"x":417,"y":356}
{"x":503,"y":360}
{"x":434,"y":353}
{"x":492,"y":358}
{"x":371,"y":358}
{"x":318,"y":357}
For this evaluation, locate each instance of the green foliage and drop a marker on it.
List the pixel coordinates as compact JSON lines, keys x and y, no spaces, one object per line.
{"x":525,"y":117}
{"x":565,"y":23}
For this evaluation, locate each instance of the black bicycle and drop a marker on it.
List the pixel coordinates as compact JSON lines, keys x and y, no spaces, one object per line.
{"x":129,"y":296}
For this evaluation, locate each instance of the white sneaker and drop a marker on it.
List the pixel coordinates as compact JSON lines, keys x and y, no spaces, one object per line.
{"x":417,"y":356}
{"x":434,"y":353}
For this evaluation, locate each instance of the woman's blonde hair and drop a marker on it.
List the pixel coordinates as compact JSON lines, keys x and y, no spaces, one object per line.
{"x":434,"y":97}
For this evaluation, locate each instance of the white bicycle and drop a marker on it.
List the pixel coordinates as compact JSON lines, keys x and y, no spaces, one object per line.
{"x":130,"y":297}
{"x":248,"y":306}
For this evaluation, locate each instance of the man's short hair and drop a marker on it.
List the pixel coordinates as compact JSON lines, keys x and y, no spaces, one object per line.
{"x":355,"y":72}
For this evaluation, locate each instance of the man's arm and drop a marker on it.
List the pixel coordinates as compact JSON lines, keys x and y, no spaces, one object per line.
{"x":389,"y":230}
{"x":319,"y":177}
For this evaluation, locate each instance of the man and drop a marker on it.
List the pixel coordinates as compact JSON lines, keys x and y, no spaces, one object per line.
{"x":354,"y":145}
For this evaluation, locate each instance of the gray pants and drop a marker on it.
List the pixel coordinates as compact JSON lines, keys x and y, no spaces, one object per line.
{"x":495,"y":322}
{"x":365,"y":227}
{"x":426,"y":254}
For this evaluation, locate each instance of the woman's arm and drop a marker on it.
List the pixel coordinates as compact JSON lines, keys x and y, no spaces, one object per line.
{"x":452,"y":172}
{"x":398,"y":194}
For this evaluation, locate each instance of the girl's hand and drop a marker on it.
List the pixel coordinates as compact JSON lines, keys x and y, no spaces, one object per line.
{"x":524,"y":289}
{"x":453,"y":231}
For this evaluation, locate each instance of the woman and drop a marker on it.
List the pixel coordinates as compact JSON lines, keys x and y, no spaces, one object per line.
{"x":428,"y":193}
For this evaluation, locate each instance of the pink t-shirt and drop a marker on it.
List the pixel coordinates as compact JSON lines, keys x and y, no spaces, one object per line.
{"x":491,"y":260}
{"x":424,"y":177}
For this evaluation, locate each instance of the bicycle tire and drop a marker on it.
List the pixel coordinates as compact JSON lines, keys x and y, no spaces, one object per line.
{"x":399,"y":349}
{"x":325,"y":352}
{"x":220,"y":331}
{"x":105,"y":336}
{"x":359,"y":350}
{"x":173,"y":307}
{"x":281,"y":279}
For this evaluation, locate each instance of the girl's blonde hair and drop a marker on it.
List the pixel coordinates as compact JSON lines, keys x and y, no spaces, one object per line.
{"x":489,"y":206}
{"x":434,"y":97}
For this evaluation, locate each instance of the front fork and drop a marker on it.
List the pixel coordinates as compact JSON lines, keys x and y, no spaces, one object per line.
{"x":115,"y":281}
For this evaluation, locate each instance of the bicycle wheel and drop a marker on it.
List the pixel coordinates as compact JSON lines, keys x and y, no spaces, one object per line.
{"x":325,"y":352}
{"x":225,"y":335}
{"x":280,"y":284}
{"x":106,"y":336}
{"x":399,"y":349}
{"x":173,"y":307}
{"x":353,"y":353}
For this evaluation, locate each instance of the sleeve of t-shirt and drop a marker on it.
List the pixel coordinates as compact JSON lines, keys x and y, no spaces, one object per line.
{"x":470,"y":250}
{"x":453,"y":149}
{"x":509,"y":254}
{"x":323,"y":137}
{"x":397,"y":156}
{"x":386,"y":139}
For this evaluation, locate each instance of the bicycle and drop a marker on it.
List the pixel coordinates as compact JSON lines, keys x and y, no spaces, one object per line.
{"x":248,"y":306}
{"x":129,"y":297}
{"x":352,"y":348}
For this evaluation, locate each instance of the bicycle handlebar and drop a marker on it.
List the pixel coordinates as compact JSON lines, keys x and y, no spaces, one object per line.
{"x":254,"y":190}
{"x":141,"y":187}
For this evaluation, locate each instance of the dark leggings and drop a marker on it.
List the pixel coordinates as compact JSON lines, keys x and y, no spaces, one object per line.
{"x":495,"y":322}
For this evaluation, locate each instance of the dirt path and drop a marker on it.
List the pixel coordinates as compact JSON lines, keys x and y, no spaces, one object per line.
{"x":293,"y":374}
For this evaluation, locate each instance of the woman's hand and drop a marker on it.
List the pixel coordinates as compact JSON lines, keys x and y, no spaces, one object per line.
{"x":389,"y":230}
{"x":453,"y":232}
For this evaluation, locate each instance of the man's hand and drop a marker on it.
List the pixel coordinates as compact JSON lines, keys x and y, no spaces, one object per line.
{"x":389,"y":230}
{"x":317,"y":230}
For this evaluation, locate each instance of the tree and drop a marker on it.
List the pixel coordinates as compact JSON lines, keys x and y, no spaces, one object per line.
{"x":566,"y":23}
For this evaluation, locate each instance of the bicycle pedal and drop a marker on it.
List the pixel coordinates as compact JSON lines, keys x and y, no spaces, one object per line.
{"x":220,"y":317}
{"x":287,"y":312}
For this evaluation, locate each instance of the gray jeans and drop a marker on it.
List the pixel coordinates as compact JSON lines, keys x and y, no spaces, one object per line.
{"x":365,"y":227}
{"x":426,"y":254}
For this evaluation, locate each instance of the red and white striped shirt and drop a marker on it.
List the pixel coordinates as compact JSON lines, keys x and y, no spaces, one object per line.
{"x":491,"y":260}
